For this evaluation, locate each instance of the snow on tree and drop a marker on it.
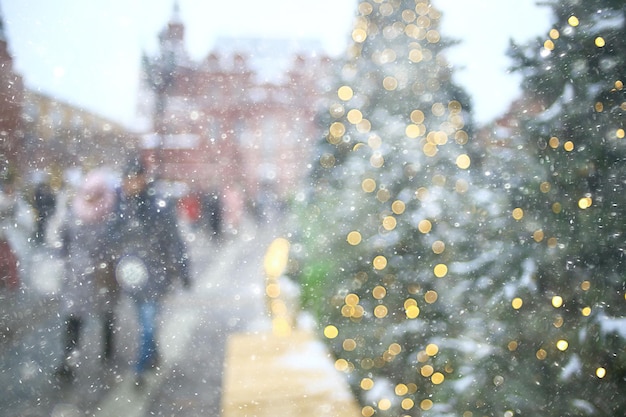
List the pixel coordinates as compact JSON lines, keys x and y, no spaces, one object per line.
{"x":465,"y":279}
{"x":568,"y":337}
{"x":402,"y":226}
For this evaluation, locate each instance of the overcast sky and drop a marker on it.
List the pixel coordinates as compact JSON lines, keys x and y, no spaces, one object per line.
{"x":88,"y":52}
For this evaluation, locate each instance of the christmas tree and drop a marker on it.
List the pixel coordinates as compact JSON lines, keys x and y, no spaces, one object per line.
{"x":400,"y":229}
{"x":568,"y":334}
{"x":465,"y":280}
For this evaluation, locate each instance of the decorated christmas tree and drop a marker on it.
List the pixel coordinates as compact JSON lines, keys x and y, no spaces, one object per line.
{"x":568,"y":334}
{"x":456,"y":279}
{"x":401,"y":226}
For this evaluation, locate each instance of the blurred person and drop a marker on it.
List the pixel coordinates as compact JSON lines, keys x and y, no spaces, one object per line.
{"x":151,"y":254}
{"x":17,"y":222}
{"x":44,"y":202}
{"x":89,"y":288}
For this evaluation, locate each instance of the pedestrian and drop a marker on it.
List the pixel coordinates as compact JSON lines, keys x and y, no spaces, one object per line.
{"x":89,"y":288}
{"x":44,"y":201}
{"x":17,"y":223}
{"x":151,"y":255}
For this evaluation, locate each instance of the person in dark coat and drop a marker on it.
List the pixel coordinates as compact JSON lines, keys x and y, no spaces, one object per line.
{"x":88,"y":289}
{"x":151,"y":254}
{"x":45,"y":205}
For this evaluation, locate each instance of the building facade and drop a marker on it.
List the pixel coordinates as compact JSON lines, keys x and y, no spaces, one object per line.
{"x":222,"y":123}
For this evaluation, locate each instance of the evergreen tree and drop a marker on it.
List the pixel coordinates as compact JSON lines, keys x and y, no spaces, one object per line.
{"x":567,"y":336}
{"x":403,"y":229}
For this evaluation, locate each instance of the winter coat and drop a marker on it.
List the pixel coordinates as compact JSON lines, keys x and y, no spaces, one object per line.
{"x":86,"y":236}
{"x":147,"y":231}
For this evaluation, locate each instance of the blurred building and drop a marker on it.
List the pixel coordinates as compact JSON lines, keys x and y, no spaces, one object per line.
{"x":243,"y":117}
{"x":11,"y":91}
{"x":58,"y":136}
{"x":41,"y":135}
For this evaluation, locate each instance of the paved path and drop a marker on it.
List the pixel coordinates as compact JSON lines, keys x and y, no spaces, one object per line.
{"x":225,"y":307}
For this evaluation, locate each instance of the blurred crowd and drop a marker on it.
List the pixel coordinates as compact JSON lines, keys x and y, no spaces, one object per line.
{"x":115,"y":234}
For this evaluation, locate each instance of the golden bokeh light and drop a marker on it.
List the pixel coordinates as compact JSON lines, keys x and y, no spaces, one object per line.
{"x":367,"y":411}
{"x":545,"y":187}
{"x":421,"y":193}
{"x":433,"y":36}
{"x":568,"y":146}
{"x":349,"y":345}
{"x":619,"y":133}
{"x":395,"y":349}
{"x":354,"y":238}
{"x":517,"y":303}
{"x":562,"y":345}
{"x":429,"y":149}
{"x":437,"y":378}
{"x":398,"y":207}
{"x":384,"y":404}
{"x":413,"y":131}
{"x":383,"y":195}
{"x":463,"y":161}
{"x":359,"y":35}
{"x":417,"y":117}
{"x":351,"y":299}
{"x":438,"y":109}
{"x":377,"y":160}
{"x":599,"y":107}
{"x":585,"y":285}
{"x":586,"y":311}
{"x":379,"y":262}
{"x":517,"y":213}
{"x":432,"y":349}
{"x":541,"y":354}
{"x":412,"y":312}
{"x":538,"y":235}
{"x":440,"y":270}
{"x":355,"y":116}
{"x":364,"y":126}
{"x":438,"y":247}
{"x":600,"y":42}
{"x":426,"y":404}
{"x":600,"y":372}
{"x":368,"y":185}
{"x":584,"y":203}
{"x":345,"y":93}
{"x":331,"y":331}
{"x":367,"y":384}
{"x":390,"y":83}
{"x":379,"y":292}
{"x":342,"y":365}
{"x":461,"y":137}
{"x":401,"y":389}
{"x":389,"y":223}
{"x":426,"y":371}
{"x":431,"y":296}
{"x":558,"y":321}
{"x":380,"y":311}
{"x":336,"y":110}
{"x":554,"y":142}
{"x":337,"y":129}
{"x":425,"y":226}
{"x":554,"y":34}
{"x":557,"y":301}
{"x":573,"y":21}
{"x":461,"y":186}
{"x":407,"y":404}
